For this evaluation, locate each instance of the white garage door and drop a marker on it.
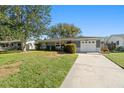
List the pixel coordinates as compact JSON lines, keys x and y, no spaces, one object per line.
{"x":88,"y":46}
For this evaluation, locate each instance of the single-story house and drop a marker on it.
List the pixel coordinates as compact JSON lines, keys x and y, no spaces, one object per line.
{"x":117,"y":40}
{"x":16,"y":45}
{"x":84,"y":44}
{"x":10,"y":45}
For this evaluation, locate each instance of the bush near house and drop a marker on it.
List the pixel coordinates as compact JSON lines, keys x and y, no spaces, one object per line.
{"x":70,"y":48}
{"x":53,"y":48}
{"x":104,"y":50}
{"x":50,"y":48}
{"x":119,"y":49}
{"x":37,"y":46}
{"x":111,"y":47}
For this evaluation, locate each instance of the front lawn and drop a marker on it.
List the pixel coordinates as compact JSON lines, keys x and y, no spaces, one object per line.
{"x":118,"y":58}
{"x":34,"y":69}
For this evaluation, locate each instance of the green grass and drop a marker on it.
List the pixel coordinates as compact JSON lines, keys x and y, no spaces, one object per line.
{"x":118,"y":58}
{"x":10,"y":51}
{"x":39,"y":69}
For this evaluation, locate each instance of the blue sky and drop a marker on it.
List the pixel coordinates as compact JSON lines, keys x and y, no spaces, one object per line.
{"x":93,"y":20}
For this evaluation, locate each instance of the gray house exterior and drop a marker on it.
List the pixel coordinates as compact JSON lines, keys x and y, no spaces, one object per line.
{"x":84,"y":44}
{"x":117,"y":39}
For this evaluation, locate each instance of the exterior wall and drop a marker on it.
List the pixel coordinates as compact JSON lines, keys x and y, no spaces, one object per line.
{"x":50,"y":45}
{"x":123,"y":42}
{"x":1,"y":48}
{"x":31,"y":45}
{"x":114,"y":39}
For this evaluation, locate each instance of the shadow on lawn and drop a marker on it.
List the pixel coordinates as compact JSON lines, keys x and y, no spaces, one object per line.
{"x":8,"y":52}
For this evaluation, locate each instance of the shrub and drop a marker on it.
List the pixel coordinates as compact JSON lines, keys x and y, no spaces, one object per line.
{"x":120,"y":49}
{"x":104,"y":50}
{"x":53,"y":48}
{"x":111,"y":47}
{"x":37,"y":46}
{"x":70,"y":48}
{"x":48,"y":48}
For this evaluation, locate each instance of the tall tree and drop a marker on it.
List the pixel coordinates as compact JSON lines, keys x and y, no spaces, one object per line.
{"x":5,"y":32}
{"x":63,"y":30}
{"x":26,"y":22}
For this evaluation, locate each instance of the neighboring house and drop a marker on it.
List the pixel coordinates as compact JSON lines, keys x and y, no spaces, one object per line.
{"x":84,"y":44}
{"x":30,"y":45}
{"x":16,"y":45}
{"x":10,"y":45}
{"x":117,"y":40}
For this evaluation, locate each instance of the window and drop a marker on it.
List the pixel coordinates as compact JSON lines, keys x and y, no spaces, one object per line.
{"x":3,"y":45}
{"x":85,"y":41}
{"x":117,"y":42}
{"x":7,"y":45}
{"x":102,"y":42}
{"x":19,"y":44}
{"x":89,"y":42}
{"x":12,"y":44}
{"x":93,"y":42}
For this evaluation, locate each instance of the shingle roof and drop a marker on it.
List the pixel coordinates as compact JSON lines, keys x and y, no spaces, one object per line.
{"x":10,"y":41}
{"x":64,"y":39}
{"x":118,"y":35}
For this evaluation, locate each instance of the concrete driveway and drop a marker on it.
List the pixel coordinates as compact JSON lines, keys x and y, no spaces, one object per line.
{"x":93,"y":70}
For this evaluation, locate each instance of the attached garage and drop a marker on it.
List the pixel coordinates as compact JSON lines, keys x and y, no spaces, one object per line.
{"x":90,"y":46}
